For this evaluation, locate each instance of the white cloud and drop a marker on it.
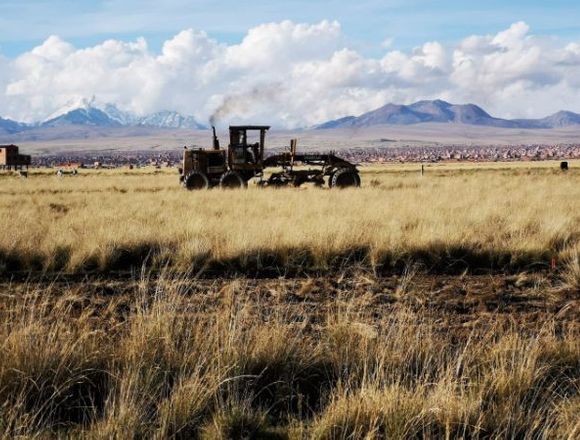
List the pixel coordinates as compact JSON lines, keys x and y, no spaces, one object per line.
{"x":388,"y":43}
{"x":293,"y":75}
{"x":512,"y":37}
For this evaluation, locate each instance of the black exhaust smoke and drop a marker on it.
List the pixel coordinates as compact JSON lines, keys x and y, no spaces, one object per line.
{"x":216,"y":142}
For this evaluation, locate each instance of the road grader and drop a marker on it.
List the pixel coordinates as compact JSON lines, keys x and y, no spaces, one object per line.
{"x":244,"y":160}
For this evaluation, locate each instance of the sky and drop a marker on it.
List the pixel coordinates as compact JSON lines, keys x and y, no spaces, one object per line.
{"x":298,"y":62}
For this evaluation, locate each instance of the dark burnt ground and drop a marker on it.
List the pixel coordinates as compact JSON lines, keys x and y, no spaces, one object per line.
{"x":461,"y":302}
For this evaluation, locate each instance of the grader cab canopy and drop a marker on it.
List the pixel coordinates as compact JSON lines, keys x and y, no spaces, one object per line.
{"x":246,"y":149}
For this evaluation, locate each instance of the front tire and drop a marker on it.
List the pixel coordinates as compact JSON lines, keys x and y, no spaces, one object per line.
{"x":345,"y":178}
{"x":232,"y":180}
{"x":196,"y":180}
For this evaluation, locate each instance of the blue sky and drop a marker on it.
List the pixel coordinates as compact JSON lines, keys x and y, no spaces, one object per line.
{"x":365,"y":23}
{"x":516,"y":59}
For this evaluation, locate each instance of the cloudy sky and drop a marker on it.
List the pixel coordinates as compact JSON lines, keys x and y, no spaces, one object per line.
{"x":292,"y":63}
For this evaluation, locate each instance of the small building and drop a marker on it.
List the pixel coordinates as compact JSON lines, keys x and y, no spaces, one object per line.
{"x":10,"y":158}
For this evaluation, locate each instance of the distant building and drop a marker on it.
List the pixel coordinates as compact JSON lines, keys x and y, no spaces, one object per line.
{"x":10,"y":158}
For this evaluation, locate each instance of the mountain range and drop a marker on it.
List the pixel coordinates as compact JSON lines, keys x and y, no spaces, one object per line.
{"x":439,"y":111}
{"x":87,"y":113}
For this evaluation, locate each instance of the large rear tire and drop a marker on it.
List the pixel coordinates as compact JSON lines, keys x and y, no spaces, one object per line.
{"x":232,"y":180}
{"x":196,"y":180}
{"x":345,"y":178}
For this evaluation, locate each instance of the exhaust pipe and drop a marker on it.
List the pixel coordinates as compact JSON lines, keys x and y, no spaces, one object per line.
{"x":216,"y":142}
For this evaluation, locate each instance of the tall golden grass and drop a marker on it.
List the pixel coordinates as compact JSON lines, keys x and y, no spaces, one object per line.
{"x":163,"y":361}
{"x":350,"y":355}
{"x":453,"y":218}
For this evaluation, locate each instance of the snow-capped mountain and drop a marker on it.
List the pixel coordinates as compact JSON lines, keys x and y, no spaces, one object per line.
{"x":123,"y":118}
{"x":69,"y":107}
{"x":168,"y":119}
{"x":82,"y":116}
{"x":90,"y":113}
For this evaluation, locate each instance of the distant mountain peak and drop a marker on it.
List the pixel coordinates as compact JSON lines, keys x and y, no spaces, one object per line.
{"x":439,"y":111}
{"x":84,"y":115}
{"x":437,"y":102}
{"x":561,"y":119}
{"x":170,"y":119}
{"x":8,"y":126}
{"x":564,"y":114}
{"x":89,"y":112}
{"x":120,"y":116}
{"x":81,"y":103}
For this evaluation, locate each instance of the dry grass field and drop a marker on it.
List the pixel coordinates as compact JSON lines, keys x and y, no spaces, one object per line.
{"x":417,"y":307}
{"x":453,"y":218}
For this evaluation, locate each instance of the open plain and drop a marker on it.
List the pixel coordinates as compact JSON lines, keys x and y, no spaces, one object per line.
{"x":87,"y":138}
{"x":443,"y":305}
